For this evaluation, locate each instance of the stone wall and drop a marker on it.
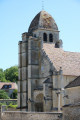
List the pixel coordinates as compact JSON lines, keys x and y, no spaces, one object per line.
{"x":40,"y":32}
{"x":46,"y":65}
{"x":30,"y":116}
{"x":73,"y":95}
{"x":67,"y":79}
{"x":71,"y":112}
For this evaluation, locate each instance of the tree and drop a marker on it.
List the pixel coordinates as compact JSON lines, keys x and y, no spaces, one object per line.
{"x":2,"y":76}
{"x":3,"y":95}
{"x":11,"y":74}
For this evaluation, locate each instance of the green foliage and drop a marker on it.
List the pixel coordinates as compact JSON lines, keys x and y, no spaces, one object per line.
{"x":14,"y":94}
{"x":12,"y":106}
{"x":9,"y":106}
{"x":11,"y":74}
{"x":2,"y":104}
{"x":3,"y":95}
{"x":2,"y":76}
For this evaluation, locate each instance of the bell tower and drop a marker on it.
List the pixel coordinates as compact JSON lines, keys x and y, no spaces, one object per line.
{"x":35,"y":82}
{"x":44,"y":26}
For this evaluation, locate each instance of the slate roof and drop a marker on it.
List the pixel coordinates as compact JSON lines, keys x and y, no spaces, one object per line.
{"x":13,"y":85}
{"x":42,"y":20}
{"x":74,"y":83}
{"x":69,"y":61}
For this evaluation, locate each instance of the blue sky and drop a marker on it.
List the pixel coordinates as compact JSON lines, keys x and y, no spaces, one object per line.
{"x":15,"y":18}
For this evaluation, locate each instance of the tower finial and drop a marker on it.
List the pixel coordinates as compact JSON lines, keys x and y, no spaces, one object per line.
{"x":42,"y":5}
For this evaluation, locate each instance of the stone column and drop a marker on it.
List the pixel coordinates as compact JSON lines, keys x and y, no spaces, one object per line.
{"x":29,"y":76}
{"x":60,"y":89}
{"x":29,"y":88}
{"x":55,"y":82}
{"x":59,"y":106}
{"x":34,"y":67}
{"x":24,"y":74}
{"x":48,"y":38}
{"x":22,"y":82}
{"x":44,"y":93}
{"x":20,"y":76}
{"x":60,"y":78}
{"x":61,"y":86}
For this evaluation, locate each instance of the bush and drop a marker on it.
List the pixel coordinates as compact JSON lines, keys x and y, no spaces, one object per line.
{"x":12,"y":106}
{"x":2,"y":104}
{"x":3,"y":95}
{"x":9,"y":106}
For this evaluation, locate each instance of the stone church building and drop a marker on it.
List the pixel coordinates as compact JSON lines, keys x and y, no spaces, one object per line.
{"x":44,"y":67}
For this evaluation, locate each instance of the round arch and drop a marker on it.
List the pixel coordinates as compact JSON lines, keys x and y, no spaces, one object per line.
{"x":44,"y":37}
{"x":39,"y":103}
{"x":39,"y":98}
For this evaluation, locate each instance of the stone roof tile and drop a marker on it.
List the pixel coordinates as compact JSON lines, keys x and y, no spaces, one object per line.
{"x":42,"y":20}
{"x":69,"y":61}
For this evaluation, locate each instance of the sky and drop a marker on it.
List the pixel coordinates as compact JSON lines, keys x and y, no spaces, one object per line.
{"x":16,"y":16}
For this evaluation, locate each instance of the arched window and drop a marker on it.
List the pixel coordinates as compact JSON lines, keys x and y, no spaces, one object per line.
{"x":50,"y":38}
{"x":45,"y":37}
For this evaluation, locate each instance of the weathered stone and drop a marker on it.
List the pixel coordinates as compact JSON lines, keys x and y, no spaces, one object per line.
{"x":71,"y":112}
{"x":24,"y":73}
{"x":31,"y":116}
{"x":24,"y":59}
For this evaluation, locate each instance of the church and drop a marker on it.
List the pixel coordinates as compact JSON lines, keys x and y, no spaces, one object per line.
{"x":44,"y":67}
